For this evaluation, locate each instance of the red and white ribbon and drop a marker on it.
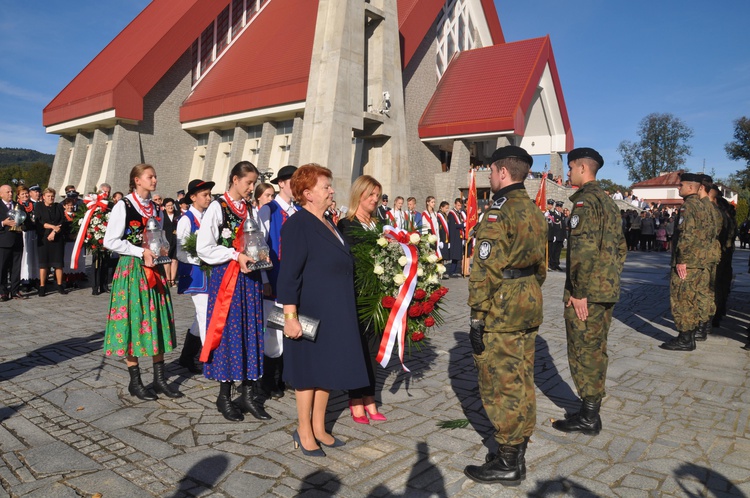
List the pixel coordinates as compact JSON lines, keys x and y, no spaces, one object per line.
{"x":92,"y":201}
{"x":396,"y":327}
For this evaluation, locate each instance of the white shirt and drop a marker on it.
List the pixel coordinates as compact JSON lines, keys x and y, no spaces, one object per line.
{"x":207,"y":245}
{"x":183,"y":231}
{"x":116,"y":227}
{"x":617,"y":196}
{"x":426,"y":225}
{"x":398,"y":215}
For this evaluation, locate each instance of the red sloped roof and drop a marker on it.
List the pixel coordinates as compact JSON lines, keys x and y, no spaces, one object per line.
{"x":268,"y":65}
{"x":489,"y":89}
{"x":416,"y":17}
{"x":121,"y":75}
{"x":671,"y":179}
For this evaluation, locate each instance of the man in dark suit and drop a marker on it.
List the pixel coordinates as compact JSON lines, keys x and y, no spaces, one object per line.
{"x":383,"y":210}
{"x":11,"y":246}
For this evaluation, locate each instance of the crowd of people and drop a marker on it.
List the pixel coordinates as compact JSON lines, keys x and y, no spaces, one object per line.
{"x":322,"y":343}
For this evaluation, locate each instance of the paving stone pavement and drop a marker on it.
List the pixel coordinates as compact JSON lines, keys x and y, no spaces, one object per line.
{"x":675,"y":424}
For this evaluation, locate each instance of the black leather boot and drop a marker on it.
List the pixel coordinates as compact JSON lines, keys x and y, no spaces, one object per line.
{"x":190,"y":349}
{"x":587,"y":421}
{"x":225,"y":405}
{"x":160,"y":383}
{"x":685,"y":341}
{"x":248,"y":402}
{"x":701,"y":333}
{"x":502,"y":469}
{"x":521,"y":457}
{"x":42,"y":291}
{"x":136,"y":387}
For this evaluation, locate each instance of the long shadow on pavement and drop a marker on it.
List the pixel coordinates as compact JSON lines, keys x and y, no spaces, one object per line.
{"x":548,"y":379}
{"x":716,"y":483}
{"x":561,"y":486}
{"x":51,"y":354}
{"x":205,"y":473}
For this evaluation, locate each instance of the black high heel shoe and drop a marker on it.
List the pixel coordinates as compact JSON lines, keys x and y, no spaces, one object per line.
{"x":298,"y":444}
{"x":337,"y":443}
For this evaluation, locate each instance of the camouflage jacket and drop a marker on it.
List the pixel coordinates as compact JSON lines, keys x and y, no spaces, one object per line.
{"x":511,"y":235}
{"x":596,"y":247}
{"x":714,"y":228}
{"x":693,"y":234}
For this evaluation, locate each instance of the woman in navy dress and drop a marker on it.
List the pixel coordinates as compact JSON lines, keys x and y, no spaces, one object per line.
{"x":316,"y":279}
{"x":233,"y":349}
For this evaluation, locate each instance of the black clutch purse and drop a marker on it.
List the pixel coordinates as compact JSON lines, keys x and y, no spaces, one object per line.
{"x":275,"y":320}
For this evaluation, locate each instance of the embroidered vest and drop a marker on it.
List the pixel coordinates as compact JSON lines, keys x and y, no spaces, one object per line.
{"x":193,"y":280}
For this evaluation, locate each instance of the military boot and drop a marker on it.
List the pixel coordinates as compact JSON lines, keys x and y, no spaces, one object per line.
{"x":521,"y":457}
{"x":685,"y":341}
{"x":586,"y":421}
{"x":701,"y":333}
{"x":502,"y":469}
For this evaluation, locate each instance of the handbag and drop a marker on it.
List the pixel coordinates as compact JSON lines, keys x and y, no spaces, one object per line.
{"x":275,"y":320}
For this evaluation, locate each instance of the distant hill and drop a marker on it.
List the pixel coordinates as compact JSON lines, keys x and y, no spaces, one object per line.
{"x":23,"y":157}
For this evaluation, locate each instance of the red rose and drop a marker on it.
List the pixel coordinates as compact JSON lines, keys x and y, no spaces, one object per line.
{"x":388,"y":302}
{"x":415,"y":310}
{"x":427,"y":308}
{"x":419,"y":294}
{"x":417,"y":336}
{"x":435,"y":296}
{"x":429,"y":321}
{"x":443,"y":291}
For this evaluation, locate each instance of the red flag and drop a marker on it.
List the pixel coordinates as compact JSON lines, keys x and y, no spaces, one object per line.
{"x":471,"y":205}
{"x":541,"y":196}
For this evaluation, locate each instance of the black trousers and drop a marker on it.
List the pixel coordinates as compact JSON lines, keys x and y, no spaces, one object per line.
{"x":555,"y":249}
{"x":10,"y":264}
{"x":100,"y":262}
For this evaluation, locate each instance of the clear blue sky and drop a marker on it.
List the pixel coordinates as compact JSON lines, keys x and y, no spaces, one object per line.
{"x":618,"y":62}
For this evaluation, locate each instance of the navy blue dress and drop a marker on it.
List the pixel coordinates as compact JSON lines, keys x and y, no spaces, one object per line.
{"x":317,"y":274}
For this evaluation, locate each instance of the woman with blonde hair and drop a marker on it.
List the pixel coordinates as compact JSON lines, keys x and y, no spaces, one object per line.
{"x":363,"y":201}
{"x":140,"y":320}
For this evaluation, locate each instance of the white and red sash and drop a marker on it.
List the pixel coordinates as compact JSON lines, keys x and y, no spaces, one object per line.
{"x":93,"y":201}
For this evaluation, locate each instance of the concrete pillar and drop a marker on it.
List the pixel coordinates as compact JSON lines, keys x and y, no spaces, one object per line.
{"x":556,"y":164}
{"x":296,"y":145}
{"x":60,"y":164}
{"x":238,"y":145}
{"x":80,"y":149}
{"x":214,"y":139}
{"x":460,"y":166}
{"x":126,"y":153}
{"x":266,"y":146}
{"x":96,"y":161}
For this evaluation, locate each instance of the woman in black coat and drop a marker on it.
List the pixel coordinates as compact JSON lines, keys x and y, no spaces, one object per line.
{"x":316,"y":279}
{"x":50,"y":218}
{"x":170,"y":216}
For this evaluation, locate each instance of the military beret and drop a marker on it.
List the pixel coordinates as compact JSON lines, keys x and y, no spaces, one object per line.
{"x":559,"y":203}
{"x":690,"y":177}
{"x":706,"y":178}
{"x":582,"y":152}
{"x":511,"y":151}
{"x":550,"y":201}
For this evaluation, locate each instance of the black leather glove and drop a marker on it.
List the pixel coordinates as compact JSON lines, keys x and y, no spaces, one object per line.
{"x":476,"y":331}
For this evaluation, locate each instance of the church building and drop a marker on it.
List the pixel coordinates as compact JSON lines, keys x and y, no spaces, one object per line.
{"x":412,"y":92}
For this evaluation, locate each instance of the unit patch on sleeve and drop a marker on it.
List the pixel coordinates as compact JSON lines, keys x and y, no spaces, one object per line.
{"x":499,"y":203}
{"x":574,"y":221}
{"x":484,"y":250}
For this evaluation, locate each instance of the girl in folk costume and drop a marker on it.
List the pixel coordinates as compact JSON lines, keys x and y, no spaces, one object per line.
{"x":397,"y":215}
{"x":192,"y":279}
{"x":140,"y":321}
{"x":233,"y":349}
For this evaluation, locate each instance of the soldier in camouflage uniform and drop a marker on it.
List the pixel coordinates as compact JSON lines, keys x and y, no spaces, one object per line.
{"x":726,"y":239}
{"x":691,"y":245}
{"x":707,"y":299}
{"x":505,"y":297}
{"x":596,"y":255}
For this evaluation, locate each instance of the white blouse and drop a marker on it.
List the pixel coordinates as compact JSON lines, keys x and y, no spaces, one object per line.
{"x":116,"y":228}
{"x":209,"y":250}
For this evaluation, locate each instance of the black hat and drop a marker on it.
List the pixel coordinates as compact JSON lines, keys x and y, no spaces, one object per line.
{"x":185,"y":200}
{"x":550,"y":201}
{"x":559,"y":203}
{"x":196,"y":186}
{"x":706,"y":178}
{"x":384,"y":197}
{"x":71,"y":193}
{"x":511,"y":151}
{"x":582,"y":152}
{"x":180,"y":192}
{"x":35,"y":188}
{"x":690,"y":177}
{"x":284,"y":173}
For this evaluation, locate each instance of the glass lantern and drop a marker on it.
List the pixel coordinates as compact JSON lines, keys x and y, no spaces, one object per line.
{"x":19,"y":216}
{"x":155,"y":239}
{"x":255,"y":246}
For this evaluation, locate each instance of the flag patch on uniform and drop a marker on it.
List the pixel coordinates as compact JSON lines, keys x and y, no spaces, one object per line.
{"x":579,"y":204}
{"x":491,"y":218}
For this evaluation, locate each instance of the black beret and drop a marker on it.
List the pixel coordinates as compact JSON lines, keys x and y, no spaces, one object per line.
{"x":550,"y":201}
{"x":690,"y":177}
{"x":706,"y":178}
{"x":511,"y":151}
{"x":582,"y":152}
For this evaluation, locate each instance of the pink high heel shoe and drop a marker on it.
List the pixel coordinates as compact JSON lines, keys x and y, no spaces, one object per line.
{"x":377,"y":416}
{"x":360,"y":420}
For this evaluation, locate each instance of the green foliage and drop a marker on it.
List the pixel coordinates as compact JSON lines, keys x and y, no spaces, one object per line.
{"x":739,"y":150}
{"x":662,"y":147}
{"x":454,"y":424}
{"x":743,"y":210}
{"x":611,"y":186}
{"x":24,"y":157}
{"x":32,"y":174}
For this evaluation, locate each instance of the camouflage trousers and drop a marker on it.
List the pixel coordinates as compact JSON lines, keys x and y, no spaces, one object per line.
{"x":506,"y":383}
{"x":706,"y":300}
{"x":587,"y":348}
{"x":685,"y":296}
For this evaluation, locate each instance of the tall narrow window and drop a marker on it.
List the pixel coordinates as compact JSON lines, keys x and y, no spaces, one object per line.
{"x":207,"y":47}
{"x":222,"y":31}
{"x":238,"y":13}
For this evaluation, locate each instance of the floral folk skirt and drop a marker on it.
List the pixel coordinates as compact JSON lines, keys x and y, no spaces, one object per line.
{"x":140,"y":321}
{"x":239,"y":355}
